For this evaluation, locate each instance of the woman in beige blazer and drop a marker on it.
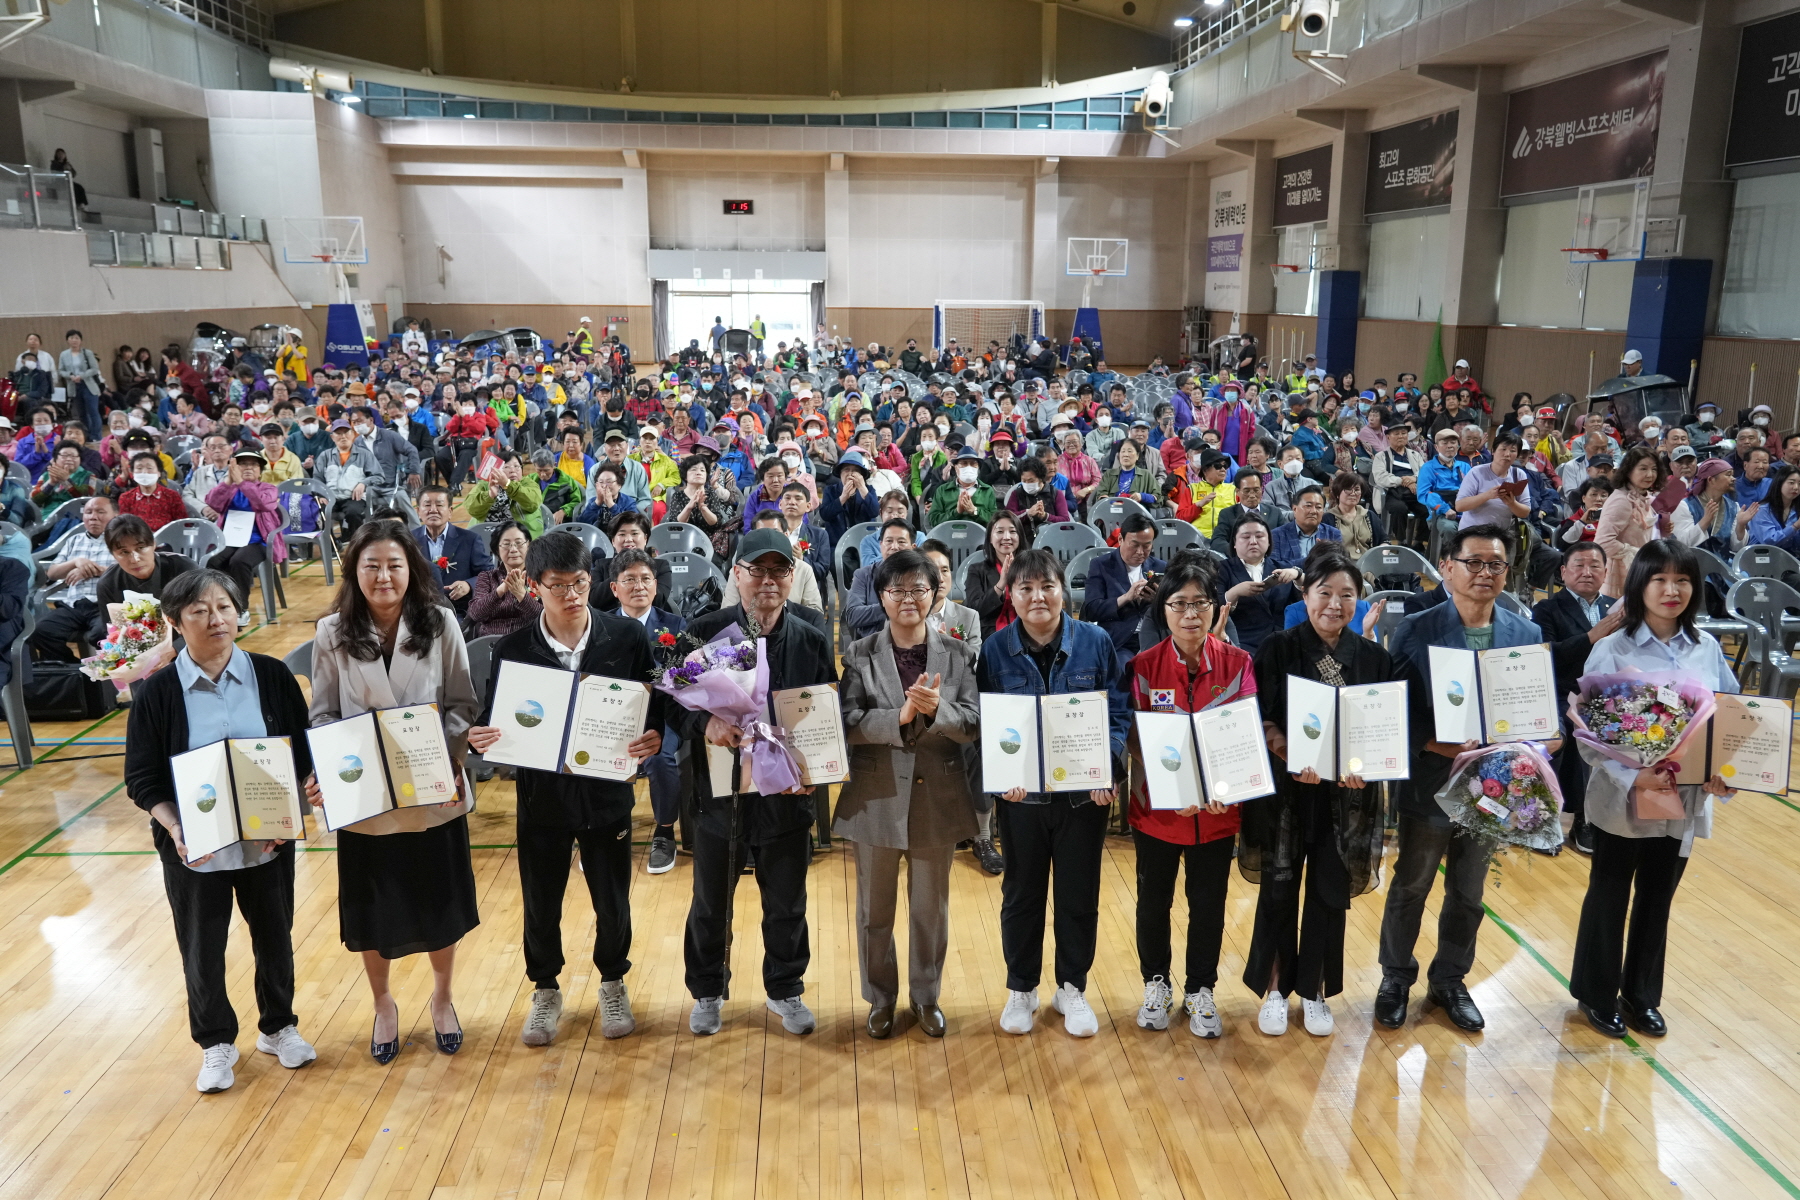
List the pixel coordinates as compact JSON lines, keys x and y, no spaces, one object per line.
{"x":909,"y":708}
{"x":405,"y":883}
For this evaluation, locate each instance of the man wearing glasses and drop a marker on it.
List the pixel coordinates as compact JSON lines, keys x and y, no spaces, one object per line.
{"x":777,"y":827}
{"x":557,"y":811}
{"x":1474,"y":568}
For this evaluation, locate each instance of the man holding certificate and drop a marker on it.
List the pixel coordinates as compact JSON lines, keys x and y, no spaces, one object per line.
{"x":1046,"y":653}
{"x":1474,"y":568}
{"x":211,"y":692}
{"x":560,"y":809}
{"x":798,"y":655}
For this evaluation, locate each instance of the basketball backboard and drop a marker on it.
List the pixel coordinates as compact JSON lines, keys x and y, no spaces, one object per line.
{"x":1096,"y":256}
{"x":320,"y":241}
{"x":1610,"y":221}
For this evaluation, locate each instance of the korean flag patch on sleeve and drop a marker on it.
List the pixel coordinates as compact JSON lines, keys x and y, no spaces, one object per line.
{"x":1162,"y":699}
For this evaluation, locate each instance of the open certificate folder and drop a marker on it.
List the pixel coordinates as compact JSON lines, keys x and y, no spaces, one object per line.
{"x":1059,"y":743}
{"x":813,"y":720}
{"x":563,"y":721}
{"x":1166,"y":748}
{"x":1748,"y":745}
{"x":1234,"y":756}
{"x":378,"y":761}
{"x":1502,"y":695}
{"x":240,"y":789}
{"x":1355,"y":730}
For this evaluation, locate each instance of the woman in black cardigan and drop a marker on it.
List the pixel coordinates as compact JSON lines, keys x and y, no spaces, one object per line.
{"x":981,"y":586}
{"x":203,"y":697}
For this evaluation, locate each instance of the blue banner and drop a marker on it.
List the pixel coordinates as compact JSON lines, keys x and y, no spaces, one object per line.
{"x":344,"y":337}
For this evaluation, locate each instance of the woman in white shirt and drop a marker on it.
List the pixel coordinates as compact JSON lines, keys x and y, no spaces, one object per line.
{"x":405,"y":883}
{"x":1618,"y":973}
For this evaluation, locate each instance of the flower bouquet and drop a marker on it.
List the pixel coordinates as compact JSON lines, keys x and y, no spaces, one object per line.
{"x":138,"y":641}
{"x":1641,"y":720}
{"x":1505,"y":793}
{"x":729,"y":678}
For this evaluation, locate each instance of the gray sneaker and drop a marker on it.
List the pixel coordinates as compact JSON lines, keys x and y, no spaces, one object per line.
{"x":795,"y":1016}
{"x":662,"y":855}
{"x":704,"y":1020}
{"x":546,"y":1011}
{"x":616,"y":1020}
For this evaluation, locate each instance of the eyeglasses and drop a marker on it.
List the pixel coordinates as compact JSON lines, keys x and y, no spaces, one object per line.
{"x":1477,"y":566}
{"x":769,"y":572}
{"x":1189,"y":608}
{"x":566,"y":589}
{"x":897,"y":594}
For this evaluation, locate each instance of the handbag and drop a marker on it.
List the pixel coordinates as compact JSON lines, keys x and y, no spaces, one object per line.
{"x":58,"y":691}
{"x":1653,"y":795}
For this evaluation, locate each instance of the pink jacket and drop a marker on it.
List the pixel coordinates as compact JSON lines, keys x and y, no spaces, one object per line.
{"x":263,"y":502}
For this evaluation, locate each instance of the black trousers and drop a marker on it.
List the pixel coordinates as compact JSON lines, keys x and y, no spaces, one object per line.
{"x":1066,"y":837}
{"x":1572,"y":777}
{"x":1422,"y":847}
{"x":454,"y":463}
{"x":352,"y":513}
{"x":1301,"y":947}
{"x":1208,"y":878}
{"x":544,"y":877}
{"x":781,"y":879}
{"x":1612,"y":960}
{"x":240,"y":562}
{"x":200,"y":902}
{"x":82,"y":621}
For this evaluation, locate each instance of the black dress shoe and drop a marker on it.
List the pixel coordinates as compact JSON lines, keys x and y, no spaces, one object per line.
{"x":448,"y":1043}
{"x":930,"y":1018}
{"x":1458,"y":1005}
{"x":1647,"y":1021}
{"x":1390,"y":1004}
{"x":988,"y":856}
{"x":1611,"y":1023}
{"x":384,"y":1052}
{"x":881,"y":1022}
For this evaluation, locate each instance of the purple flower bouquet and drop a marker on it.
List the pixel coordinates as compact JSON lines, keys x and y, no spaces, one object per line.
{"x":728,"y":677}
{"x":1507,"y":794}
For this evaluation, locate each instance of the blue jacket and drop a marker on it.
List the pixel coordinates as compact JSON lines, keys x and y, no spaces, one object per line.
{"x":1284,"y":543}
{"x":1439,"y":625}
{"x":1435,"y":477}
{"x":1764,"y":530}
{"x":1086,"y":661}
{"x":603,"y":516}
{"x":1312,"y":444}
{"x":1108,"y":579}
{"x":1749,"y":493}
{"x":839,"y":517}
{"x":468,"y":557}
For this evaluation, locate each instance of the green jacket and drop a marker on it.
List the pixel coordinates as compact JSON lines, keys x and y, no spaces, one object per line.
{"x":525,"y":498}
{"x":943,"y":504}
{"x":915,"y":479}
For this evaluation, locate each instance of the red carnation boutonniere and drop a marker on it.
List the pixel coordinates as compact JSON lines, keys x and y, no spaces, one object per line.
{"x":665,"y":638}
{"x":956,"y":631}
{"x":442,"y":563}
{"x":803,"y":545}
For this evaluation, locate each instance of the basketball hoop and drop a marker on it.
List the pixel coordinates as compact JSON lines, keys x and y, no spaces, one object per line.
{"x":1598,"y":253}
{"x":1294,"y":268}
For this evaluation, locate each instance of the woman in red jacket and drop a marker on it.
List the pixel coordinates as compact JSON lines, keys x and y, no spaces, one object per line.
{"x":1185,"y":672}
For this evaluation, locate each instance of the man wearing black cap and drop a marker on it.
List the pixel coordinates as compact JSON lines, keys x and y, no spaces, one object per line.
{"x":778,"y":827}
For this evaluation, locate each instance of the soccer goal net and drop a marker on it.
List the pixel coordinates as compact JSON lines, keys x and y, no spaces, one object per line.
{"x":975,"y":323}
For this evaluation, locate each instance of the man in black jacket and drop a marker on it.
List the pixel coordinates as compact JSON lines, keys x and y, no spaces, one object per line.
{"x":558,"y":811}
{"x":1573,"y":620}
{"x":777,"y":826}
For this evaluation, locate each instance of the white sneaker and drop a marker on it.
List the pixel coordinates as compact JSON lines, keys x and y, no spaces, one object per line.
{"x":615,"y":1010}
{"x":705,"y":1020}
{"x":1018,"y":1015}
{"x":1273,"y":1018}
{"x":546,"y":1011}
{"x":795,"y":1016}
{"x":289,"y":1048}
{"x":1319,"y":1021}
{"x":1078,"y":1016}
{"x":1203,"y":1014}
{"x":215,"y":1068}
{"x":1154,"y":1012}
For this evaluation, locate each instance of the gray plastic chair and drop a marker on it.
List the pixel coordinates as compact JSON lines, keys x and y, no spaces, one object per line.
{"x":20,"y":472}
{"x":270,"y":578}
{"x":1396,"y":560}
{"x":673,"y":536}
{"x":1076,"y":573}
{"x":1767,"y":562}
{"x":1067,"y":539}
{"x":1174,"y":535}
{"x":481,"y":669}
{"x":1763,"y":604}
{"x":1108,"y":514}
{"x":1399,"y":606}
{"x":963,"y":537}
{"x":299,"y":660}
{"x":959,"y":576}
{"x":592,"y":536}
{"x":687,"y":571}
{"x":320,"y":540}
{"x":12,"y":699}
{"x":193,"y":538}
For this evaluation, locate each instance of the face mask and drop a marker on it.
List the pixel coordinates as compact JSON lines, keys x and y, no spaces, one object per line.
{"x":468,"y":410}
{"x":1760,"y":422}
{"x":309,"y":427}
{"x":756,"y":387}
{"x":364,"y":429}
{"x":1291,"y":468}
{"x":984,"y":424}
{"x":411,"y":404}
{"x":1103,"y":420}
{"x":261,"y":408}
{"x":145,"y":478}
{"x":1032,"y":487}
{"x":1706,"y":420}
{"x":1380,"y":392}
{"x":792,"y":460}
{"x":132,"y":419}
{"x":967,"y":474}
{"x":943,"y":428}
{"x":706,"y":386}
{"x":1528,"y":419}
{"x":928,"y":445}
{"x":1363,"y":405}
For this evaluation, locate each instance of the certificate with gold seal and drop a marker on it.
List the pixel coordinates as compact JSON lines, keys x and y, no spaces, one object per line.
{"x":1518,"y":694}
{"x":1077,"y":740}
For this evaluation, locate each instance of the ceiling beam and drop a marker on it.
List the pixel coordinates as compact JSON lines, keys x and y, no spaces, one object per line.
{"x":1463,"y":79}
{"x":1331,"y":118}
{"x":1677,"y":13}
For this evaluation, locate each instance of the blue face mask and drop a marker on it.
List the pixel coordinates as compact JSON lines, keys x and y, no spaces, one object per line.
{"x":706,"y":386}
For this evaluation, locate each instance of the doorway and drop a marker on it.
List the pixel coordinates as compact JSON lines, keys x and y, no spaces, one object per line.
{"x":785,"y":306}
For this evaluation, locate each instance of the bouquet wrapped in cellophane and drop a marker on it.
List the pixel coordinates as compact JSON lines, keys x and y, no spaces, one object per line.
{"x":729,"y":678}
{"x":138,"y":640}
{"x":1506,"y":793}
{"x":1642,"y":719}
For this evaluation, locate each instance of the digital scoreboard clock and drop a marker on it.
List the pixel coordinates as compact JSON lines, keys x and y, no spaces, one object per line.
{"x":740,"y":208}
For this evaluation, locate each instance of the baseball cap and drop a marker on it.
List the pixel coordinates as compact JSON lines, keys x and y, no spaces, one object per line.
{"x":758,"y":542}
{"x":411,"y":391}
{"x":1632,"y":356}
{"x":615,"y":434}
{"x":338,"y":424}
{"x":967,"y":452}
{"x":1461,"y":362}
{"x":706,"y":443}
{"x":1683,"y":452}
{"x":271,"y":428}
{"x":854,"y":458}
{"x":246,"y":452}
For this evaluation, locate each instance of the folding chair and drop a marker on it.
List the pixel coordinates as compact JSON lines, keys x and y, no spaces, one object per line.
{"x":1076,"y":573}
{"x":963,"y":537}
{"x":1108,"y":514}
{"x":678,"y":535}
{"x":1066,"y":539}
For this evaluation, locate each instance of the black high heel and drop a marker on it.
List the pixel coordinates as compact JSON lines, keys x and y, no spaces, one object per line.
{"x":385,"y":1052}
{"x":448,"y":1043}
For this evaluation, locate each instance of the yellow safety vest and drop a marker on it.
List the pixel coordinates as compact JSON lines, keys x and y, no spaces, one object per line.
{"x":758,"y":330}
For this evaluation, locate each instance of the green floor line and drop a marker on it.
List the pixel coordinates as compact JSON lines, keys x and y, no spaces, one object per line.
{"x":1667,"y":1076}
{"x":58,"y":831}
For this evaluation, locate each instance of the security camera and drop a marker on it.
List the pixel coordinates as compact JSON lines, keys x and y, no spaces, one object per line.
{"x":1155,"y":102}
{"x":1315,"y":17}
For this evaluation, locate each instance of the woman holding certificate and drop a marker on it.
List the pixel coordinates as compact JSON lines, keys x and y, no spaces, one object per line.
{"x":1331,"y":830}
{"x":1618,"y":973}
{"x":211,"y":692}
{"x":910,"y":707}
{"x":1185,"y":672}
{"x":405,"y":884}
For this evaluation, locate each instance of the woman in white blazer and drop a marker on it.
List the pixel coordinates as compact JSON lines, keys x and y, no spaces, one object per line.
{"x":405,"y":883}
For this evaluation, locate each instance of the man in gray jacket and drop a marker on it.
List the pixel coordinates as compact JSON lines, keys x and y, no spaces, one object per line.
{"x":81,"y":377}
{"x":396,"y":458}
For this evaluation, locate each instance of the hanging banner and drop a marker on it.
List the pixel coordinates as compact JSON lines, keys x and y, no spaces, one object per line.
{"x":1765,"y":115}
{"x":344,"y":342}
{"x":1412,"y":165}
{"x":1227,"y":224}
{"x":1592,"y":128}
{"x":1303,"y":187}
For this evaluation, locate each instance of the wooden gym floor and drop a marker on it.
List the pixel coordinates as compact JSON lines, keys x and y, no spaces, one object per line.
{"x":96,"y":1068}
